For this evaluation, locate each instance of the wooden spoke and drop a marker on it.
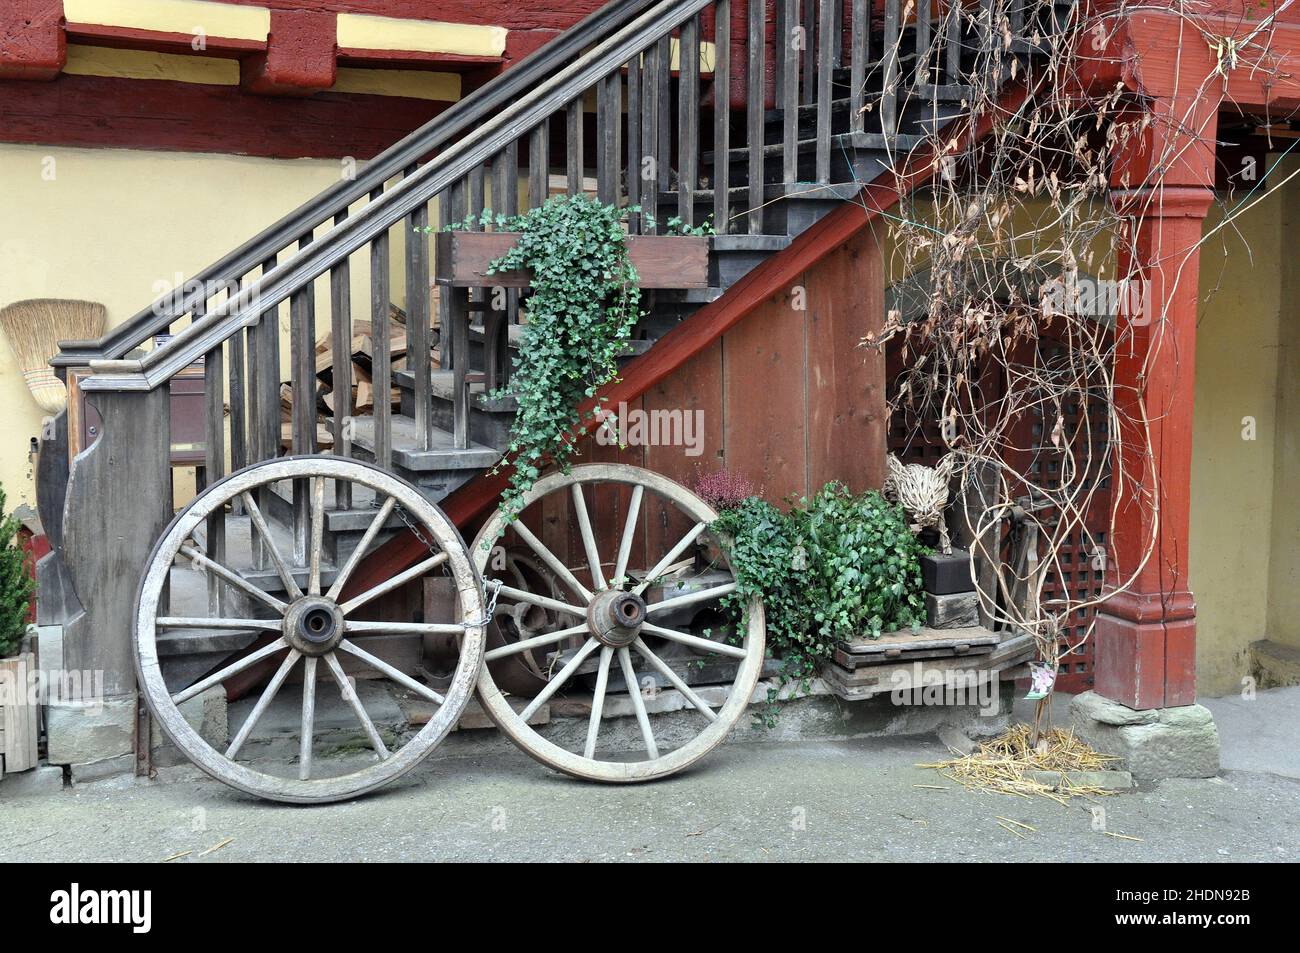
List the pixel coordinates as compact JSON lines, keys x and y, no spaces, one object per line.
{"x":666,"y":671}
{"x":317,"y":534}
{"x":395,"y":674}
{"x":308,"y":717}
{"x":638,"y":703}
{"x":694,"y":641}
{"x":259,"y":522}
{"x":588,"y":537}
{"x":598,"y":701}
{"x":548,"y":557}
{"x":183,"y":622}
{"x":690,"y":598}
{"x":231,"y":577}
{"x":350,"y":696}
{"x":546,"y":602}
{"x":234,"y":668}
{"x":406,"y":628}
{"x":268,"y":695}
{"x":536,"y":642}
{"x":401,"y":579}
{"x":629,"y":532}
{"x":562,"y":676}
{"x":363,"y":547}
{"x":671,"y":557}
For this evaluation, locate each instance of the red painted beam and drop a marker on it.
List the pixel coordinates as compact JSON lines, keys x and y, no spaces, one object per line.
{"x":32,"y":43}
{"x":299,"y":57}
{"x":690,"y":337}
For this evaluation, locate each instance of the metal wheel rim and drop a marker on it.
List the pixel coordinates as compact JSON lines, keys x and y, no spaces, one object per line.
{"x":498,"y":707}
{"x":317,"y":790}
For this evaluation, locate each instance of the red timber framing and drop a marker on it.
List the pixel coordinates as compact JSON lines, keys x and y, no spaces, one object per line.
{"x":1163,"y":184}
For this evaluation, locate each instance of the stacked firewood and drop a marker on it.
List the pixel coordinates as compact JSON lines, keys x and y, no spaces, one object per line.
{"x":362,"y":390}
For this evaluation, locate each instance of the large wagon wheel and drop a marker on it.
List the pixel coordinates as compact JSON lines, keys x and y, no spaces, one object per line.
{"x":309,"y":627}
{"x":611,"y":621}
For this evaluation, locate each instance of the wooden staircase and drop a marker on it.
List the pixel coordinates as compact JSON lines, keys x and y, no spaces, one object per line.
{"x":763,"y":138}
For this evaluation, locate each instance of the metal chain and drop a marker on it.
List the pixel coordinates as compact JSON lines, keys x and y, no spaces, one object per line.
{"x":494,"y":584}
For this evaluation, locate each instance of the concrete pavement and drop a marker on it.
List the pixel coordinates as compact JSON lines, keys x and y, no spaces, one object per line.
{"x":862,"y":799}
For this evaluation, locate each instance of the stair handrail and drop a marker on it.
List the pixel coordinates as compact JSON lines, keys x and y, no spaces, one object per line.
{"x":440,"y":172}
{"x":462,"y":115}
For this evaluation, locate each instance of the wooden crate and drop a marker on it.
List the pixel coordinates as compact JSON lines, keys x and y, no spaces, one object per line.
{"x":18,"y":718}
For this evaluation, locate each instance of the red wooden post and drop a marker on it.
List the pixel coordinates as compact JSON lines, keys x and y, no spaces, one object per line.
{"x":1146,"y":635}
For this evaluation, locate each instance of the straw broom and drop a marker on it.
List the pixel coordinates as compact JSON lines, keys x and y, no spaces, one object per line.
{"x":34,"y":329}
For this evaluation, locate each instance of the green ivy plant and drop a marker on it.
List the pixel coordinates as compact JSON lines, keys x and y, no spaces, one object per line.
{"x":584,"y":303}
{"x":16,"y":584}
{"x":834,"y":567}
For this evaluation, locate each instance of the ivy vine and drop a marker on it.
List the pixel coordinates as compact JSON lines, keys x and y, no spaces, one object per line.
{"x":585,"y":300}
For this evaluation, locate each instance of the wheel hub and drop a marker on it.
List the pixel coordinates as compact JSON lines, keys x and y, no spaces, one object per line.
{"x":314,"y":625}
{"x":615,"y":617}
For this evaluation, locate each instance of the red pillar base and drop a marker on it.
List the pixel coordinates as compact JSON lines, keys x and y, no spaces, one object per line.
{"x":1145,"y":665}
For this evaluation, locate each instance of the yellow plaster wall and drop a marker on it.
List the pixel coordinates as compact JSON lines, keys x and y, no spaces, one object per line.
{"x":1233,"y":500}
{"x":1284,"y":551}
{"x":110,"y":225}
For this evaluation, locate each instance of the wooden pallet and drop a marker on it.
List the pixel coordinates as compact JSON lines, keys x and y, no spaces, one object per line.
{"x":910,"y":646}
{"x":1004,"y":659}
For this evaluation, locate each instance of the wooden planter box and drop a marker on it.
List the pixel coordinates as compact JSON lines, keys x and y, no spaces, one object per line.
{"x":18,"y":718}
{"x":661,"y":261}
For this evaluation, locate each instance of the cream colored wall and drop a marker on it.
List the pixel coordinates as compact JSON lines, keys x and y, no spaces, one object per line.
{"x":1233,"y":499}
{"x":108,"y":225}
{"x":1284,"y":556}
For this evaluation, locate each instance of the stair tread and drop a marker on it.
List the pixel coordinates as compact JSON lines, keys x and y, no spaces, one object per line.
{"x":407,"y":452}
{"x":899,"y":143}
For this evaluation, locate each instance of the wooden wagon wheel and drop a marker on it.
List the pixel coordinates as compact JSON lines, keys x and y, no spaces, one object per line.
{"x":614,"y":624}
{"x":311,"y":625}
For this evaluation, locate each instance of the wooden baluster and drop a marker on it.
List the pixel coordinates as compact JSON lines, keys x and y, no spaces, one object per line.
{"x":609,"y":145}
{"x":264,"y":386}
{"x":664,"y":97}
{"x":1017,"y":17}
{"x":688,"y":113}
{"x":341,"y":365}
{"x":780,"y":49}
{"x":722,"y":117}
{"x":954,"y":42}
{"x":634,"y":141}
{"x":923,"y":71}
{"x":381,"y":359}
{"x":214,"y":468}
{"x":458,"y":317}
{"x":649,"y":145}
{"x":755,"y":102}
{"x":538,"y":163}
{"x":809,"y":62}
{"x":573,"y":148}
{"x":509,"y":207}
{"x":889,"y":83}
{"x":859,"y":53}
{"x":451,"y":208}
{"x":417,"y":318}
{"x":790,"y":95}
{"x":496,"y":342}
{"x":302,"y":337}
{"x":825,"y":64}
{"x":238,"y":405}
